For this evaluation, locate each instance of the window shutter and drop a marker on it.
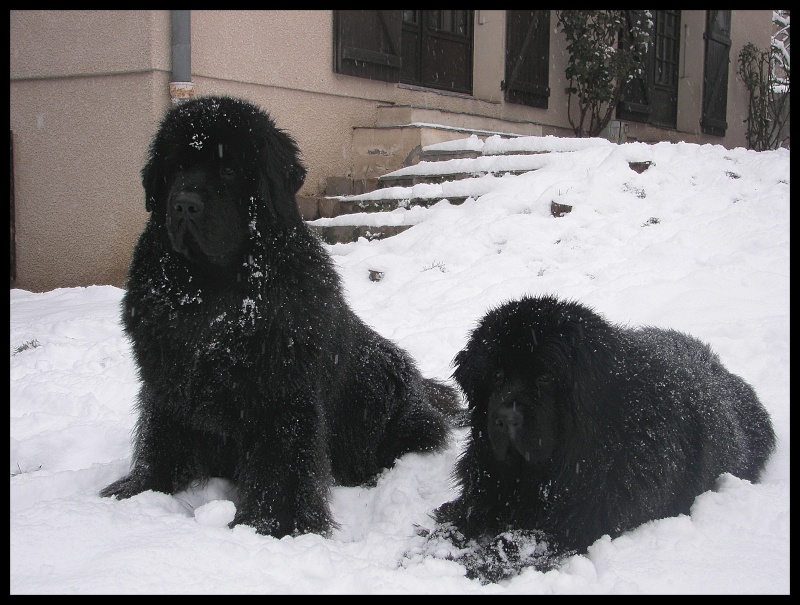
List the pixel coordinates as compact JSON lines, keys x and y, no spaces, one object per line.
{"x":527,"y":57}
{"x":367,"y":43}
{"x":715,"y":75}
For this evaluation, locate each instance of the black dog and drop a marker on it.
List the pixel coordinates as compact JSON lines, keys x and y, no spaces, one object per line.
{"x":253,"y":367}
{"x":580,"y":428}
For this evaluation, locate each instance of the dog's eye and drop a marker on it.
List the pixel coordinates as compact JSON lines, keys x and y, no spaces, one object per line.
{"x":498,"y":378}
{"x":226,"y":172}
{"x":544,"y":379}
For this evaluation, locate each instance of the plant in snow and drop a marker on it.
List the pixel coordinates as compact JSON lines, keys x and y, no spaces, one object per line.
{"x":780,"y":48}
{"x":606,"y":50}
{"x":766,"y":76}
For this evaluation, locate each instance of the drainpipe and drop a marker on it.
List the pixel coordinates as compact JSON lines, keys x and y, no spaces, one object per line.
{"x":181,"y":87}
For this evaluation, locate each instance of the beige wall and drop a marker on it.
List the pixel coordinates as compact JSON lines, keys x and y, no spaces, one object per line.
{"x":82,"y":110}
{"x":88,"y":87}
{"x":289,"y":72}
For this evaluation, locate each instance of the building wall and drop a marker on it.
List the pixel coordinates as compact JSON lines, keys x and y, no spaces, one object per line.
{"x":83,"y":105}
{"x":746,"y":26}
{"x":281,"y":72}
{"x":88,"y":88}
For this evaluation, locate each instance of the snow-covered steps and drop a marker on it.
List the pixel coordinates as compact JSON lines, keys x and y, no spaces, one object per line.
{"x":379,"y":203}
{"x":369,"y":225}
{"x":339,"y":234}
{"x":457,"y":169}
{"x":473,"y":156}
{"x":462,"y":168}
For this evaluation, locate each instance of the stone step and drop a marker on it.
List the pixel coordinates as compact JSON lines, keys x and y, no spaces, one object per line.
{"x":381,"y":149}
{"x":344,"y":206}
{"x":342,"y":234}
{"x":393,"y":115}
{"x":344,"y":185}
{"x":461,"y":168}
{"x":409,"y":180}
{"x":441,"y":156}
{"x":402,"y":132}
{"x":347,"y":229}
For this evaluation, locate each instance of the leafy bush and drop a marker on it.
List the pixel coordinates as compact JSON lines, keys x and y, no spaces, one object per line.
{"x":607,"y":49}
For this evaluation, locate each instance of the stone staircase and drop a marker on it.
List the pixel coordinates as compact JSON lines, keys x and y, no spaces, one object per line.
{"x":402,"y":131}
{"x":449,"y":160}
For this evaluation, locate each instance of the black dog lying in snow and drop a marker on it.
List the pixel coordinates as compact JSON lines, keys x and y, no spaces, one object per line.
{"x":581,"y":428}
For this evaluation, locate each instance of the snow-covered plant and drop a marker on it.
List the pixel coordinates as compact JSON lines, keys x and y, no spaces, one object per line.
{"x":766,"y":76}
{"x":780,"y":47}
{"x":606,"y":51}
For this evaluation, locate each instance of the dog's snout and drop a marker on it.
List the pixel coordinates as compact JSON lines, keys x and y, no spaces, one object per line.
{"x":511,"y":420}
{"x":187,"y":204}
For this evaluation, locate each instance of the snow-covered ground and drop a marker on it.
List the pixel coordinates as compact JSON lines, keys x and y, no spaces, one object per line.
{"x":698,"y":242}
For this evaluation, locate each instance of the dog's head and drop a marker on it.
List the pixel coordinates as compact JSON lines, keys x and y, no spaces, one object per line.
{"x":218,"y":166}
{"x":531,"y":371}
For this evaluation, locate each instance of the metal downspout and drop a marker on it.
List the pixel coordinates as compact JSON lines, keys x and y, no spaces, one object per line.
{"x":181,"y":87}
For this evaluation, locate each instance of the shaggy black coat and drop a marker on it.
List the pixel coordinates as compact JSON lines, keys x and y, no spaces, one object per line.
{"x":581,"y":428}
{"x":252,"y":365}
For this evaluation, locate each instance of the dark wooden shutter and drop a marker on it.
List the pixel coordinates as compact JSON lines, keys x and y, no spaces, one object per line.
{"x":715,"y":73}
{"x":527,"y":57}
{"x":367,"y":43}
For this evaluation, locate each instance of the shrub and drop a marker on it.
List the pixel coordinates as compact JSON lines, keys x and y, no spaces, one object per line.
{"x":606,"y":50}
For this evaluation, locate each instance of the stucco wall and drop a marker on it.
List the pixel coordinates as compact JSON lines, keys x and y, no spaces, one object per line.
{"x":82,"y":109}
{"x":88,"y":88}
{"x":283,"y":60}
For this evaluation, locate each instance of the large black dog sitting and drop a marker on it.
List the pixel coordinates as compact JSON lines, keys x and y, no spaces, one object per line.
{"x":580,"y":428}
{"x":252,"y":365}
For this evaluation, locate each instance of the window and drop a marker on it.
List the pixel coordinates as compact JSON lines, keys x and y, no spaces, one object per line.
{"x":367,"y":44}
{"x":427,"y":48}
{"x":437,"y":49}
{"x":653,"y":96}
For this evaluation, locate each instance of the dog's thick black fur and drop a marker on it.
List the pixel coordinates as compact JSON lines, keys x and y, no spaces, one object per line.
{"x":581,"y":428}
{"x":252,"y":365}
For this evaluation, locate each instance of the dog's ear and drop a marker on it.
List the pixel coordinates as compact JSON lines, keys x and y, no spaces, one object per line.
{"x":475,"y":368}
{"x":281,"y":172}
{"x":152,"y":182}
{"x":295,"y":175}
{"x":293,"y":168}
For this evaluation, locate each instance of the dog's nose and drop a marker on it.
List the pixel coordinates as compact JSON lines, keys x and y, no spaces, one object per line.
{"x":187,"y":204}
{"x":511,"y":420}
